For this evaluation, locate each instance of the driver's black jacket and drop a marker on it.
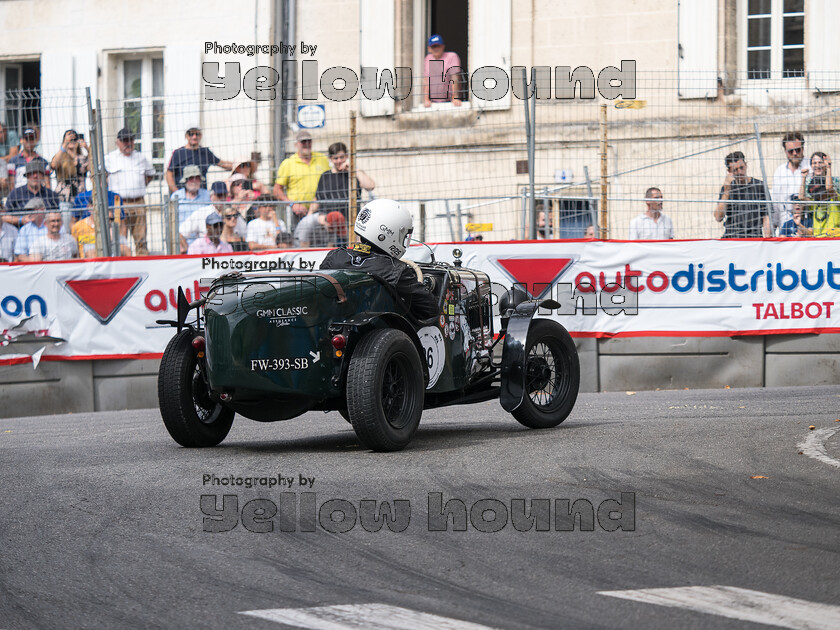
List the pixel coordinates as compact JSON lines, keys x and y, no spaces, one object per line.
{"x":362,"y":257}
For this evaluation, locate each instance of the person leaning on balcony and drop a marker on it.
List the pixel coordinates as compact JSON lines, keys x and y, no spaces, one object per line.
{"x":298,"y":175}
{"x":748,"y":219}
{"x":129,"y":172}
{"x":437,"y":76}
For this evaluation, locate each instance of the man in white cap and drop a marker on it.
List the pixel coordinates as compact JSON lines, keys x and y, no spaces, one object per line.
{"x":298,"y":175}
{"x":192,"y":153}
{"x":129,"y":172}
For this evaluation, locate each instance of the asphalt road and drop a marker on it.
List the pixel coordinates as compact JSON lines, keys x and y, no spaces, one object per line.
{"x":102,"y":523}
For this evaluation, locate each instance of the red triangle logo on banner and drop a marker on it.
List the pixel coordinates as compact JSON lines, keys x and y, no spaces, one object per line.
{"x":103,"y":297}
{"x":537,"y":274}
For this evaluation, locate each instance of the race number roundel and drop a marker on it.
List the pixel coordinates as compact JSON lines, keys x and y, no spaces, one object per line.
{"x":434,"y":352}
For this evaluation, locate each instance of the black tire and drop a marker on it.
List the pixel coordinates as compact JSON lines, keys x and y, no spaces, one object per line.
{"x":385,"y":390}
{"x":552,"y":376}
{"x":190,"y":416}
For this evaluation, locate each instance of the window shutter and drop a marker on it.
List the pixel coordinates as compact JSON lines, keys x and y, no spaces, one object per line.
{"x":490,"y":43}
{"x":87,"y":67}
{"x":182,"y":88}
{"x":698,"y":48}
{"x":56,"y":104}
{"x":376,"y":46}
{"x":822,"y":48}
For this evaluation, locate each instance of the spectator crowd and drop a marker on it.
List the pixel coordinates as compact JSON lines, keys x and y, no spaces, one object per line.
{"x":44,"y":221}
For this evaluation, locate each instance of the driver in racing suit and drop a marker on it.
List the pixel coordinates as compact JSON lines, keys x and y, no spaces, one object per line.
{"x":385,"y":228}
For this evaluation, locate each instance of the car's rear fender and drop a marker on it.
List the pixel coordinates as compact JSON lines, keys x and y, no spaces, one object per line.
{"x":357,"y":326}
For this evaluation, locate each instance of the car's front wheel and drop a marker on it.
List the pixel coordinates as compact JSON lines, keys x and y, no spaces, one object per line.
{"x":192,"y":418}
{"x":385,"y":390}
{"x":552,"y":376}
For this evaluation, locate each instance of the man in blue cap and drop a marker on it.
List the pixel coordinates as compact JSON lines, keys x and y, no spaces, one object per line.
{"x":441,"y":68}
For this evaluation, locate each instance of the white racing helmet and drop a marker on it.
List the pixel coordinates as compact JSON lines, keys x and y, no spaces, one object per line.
{"x":385,"y":224}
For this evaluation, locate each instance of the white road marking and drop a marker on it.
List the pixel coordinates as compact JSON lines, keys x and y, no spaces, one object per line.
{"x":740,"y":603}
{"x":362,"y":616}
{"x":814,"y":446}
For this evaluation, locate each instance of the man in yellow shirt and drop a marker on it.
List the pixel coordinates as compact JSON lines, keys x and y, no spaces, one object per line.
{"x":298,"y":175}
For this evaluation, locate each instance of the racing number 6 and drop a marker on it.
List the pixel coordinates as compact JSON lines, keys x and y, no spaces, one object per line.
{"x":430,"y":359}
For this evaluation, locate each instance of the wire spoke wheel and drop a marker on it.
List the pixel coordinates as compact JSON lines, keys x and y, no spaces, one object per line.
{"x":551,"y":376}
{"x":547,"y":374}
{"x":204,"y":406}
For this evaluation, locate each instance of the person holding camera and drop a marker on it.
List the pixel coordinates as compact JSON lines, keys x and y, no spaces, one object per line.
{"x":820,"y":166}
{"x":742,"y":203}
{"x":70,"y":164}
{"x":826,"y":211}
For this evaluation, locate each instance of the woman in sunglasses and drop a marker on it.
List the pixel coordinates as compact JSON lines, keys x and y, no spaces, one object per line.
{"x":229,"y":232}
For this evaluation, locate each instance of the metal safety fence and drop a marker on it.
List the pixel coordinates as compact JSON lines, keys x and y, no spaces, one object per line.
{"x":512,"y":168}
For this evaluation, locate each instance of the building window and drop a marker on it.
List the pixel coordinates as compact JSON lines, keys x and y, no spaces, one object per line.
{"x":775,"y":39}
{"x":143,"y":105}
{"x":20,"y":95}
{"x":449,"y":20}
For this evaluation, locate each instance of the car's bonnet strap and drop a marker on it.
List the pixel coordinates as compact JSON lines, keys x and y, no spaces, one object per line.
{"x":339,"y":290}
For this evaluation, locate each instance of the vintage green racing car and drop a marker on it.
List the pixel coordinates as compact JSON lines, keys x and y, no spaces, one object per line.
{"x":272,"y":346}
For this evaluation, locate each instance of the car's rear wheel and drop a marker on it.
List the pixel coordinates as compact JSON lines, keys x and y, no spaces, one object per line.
{"x":385,"y":390}
{"x":192,"y":418}
{"x":552,"y":376}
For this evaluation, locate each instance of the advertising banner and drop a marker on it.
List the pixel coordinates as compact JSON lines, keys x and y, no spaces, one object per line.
{"x":108,"y":308}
